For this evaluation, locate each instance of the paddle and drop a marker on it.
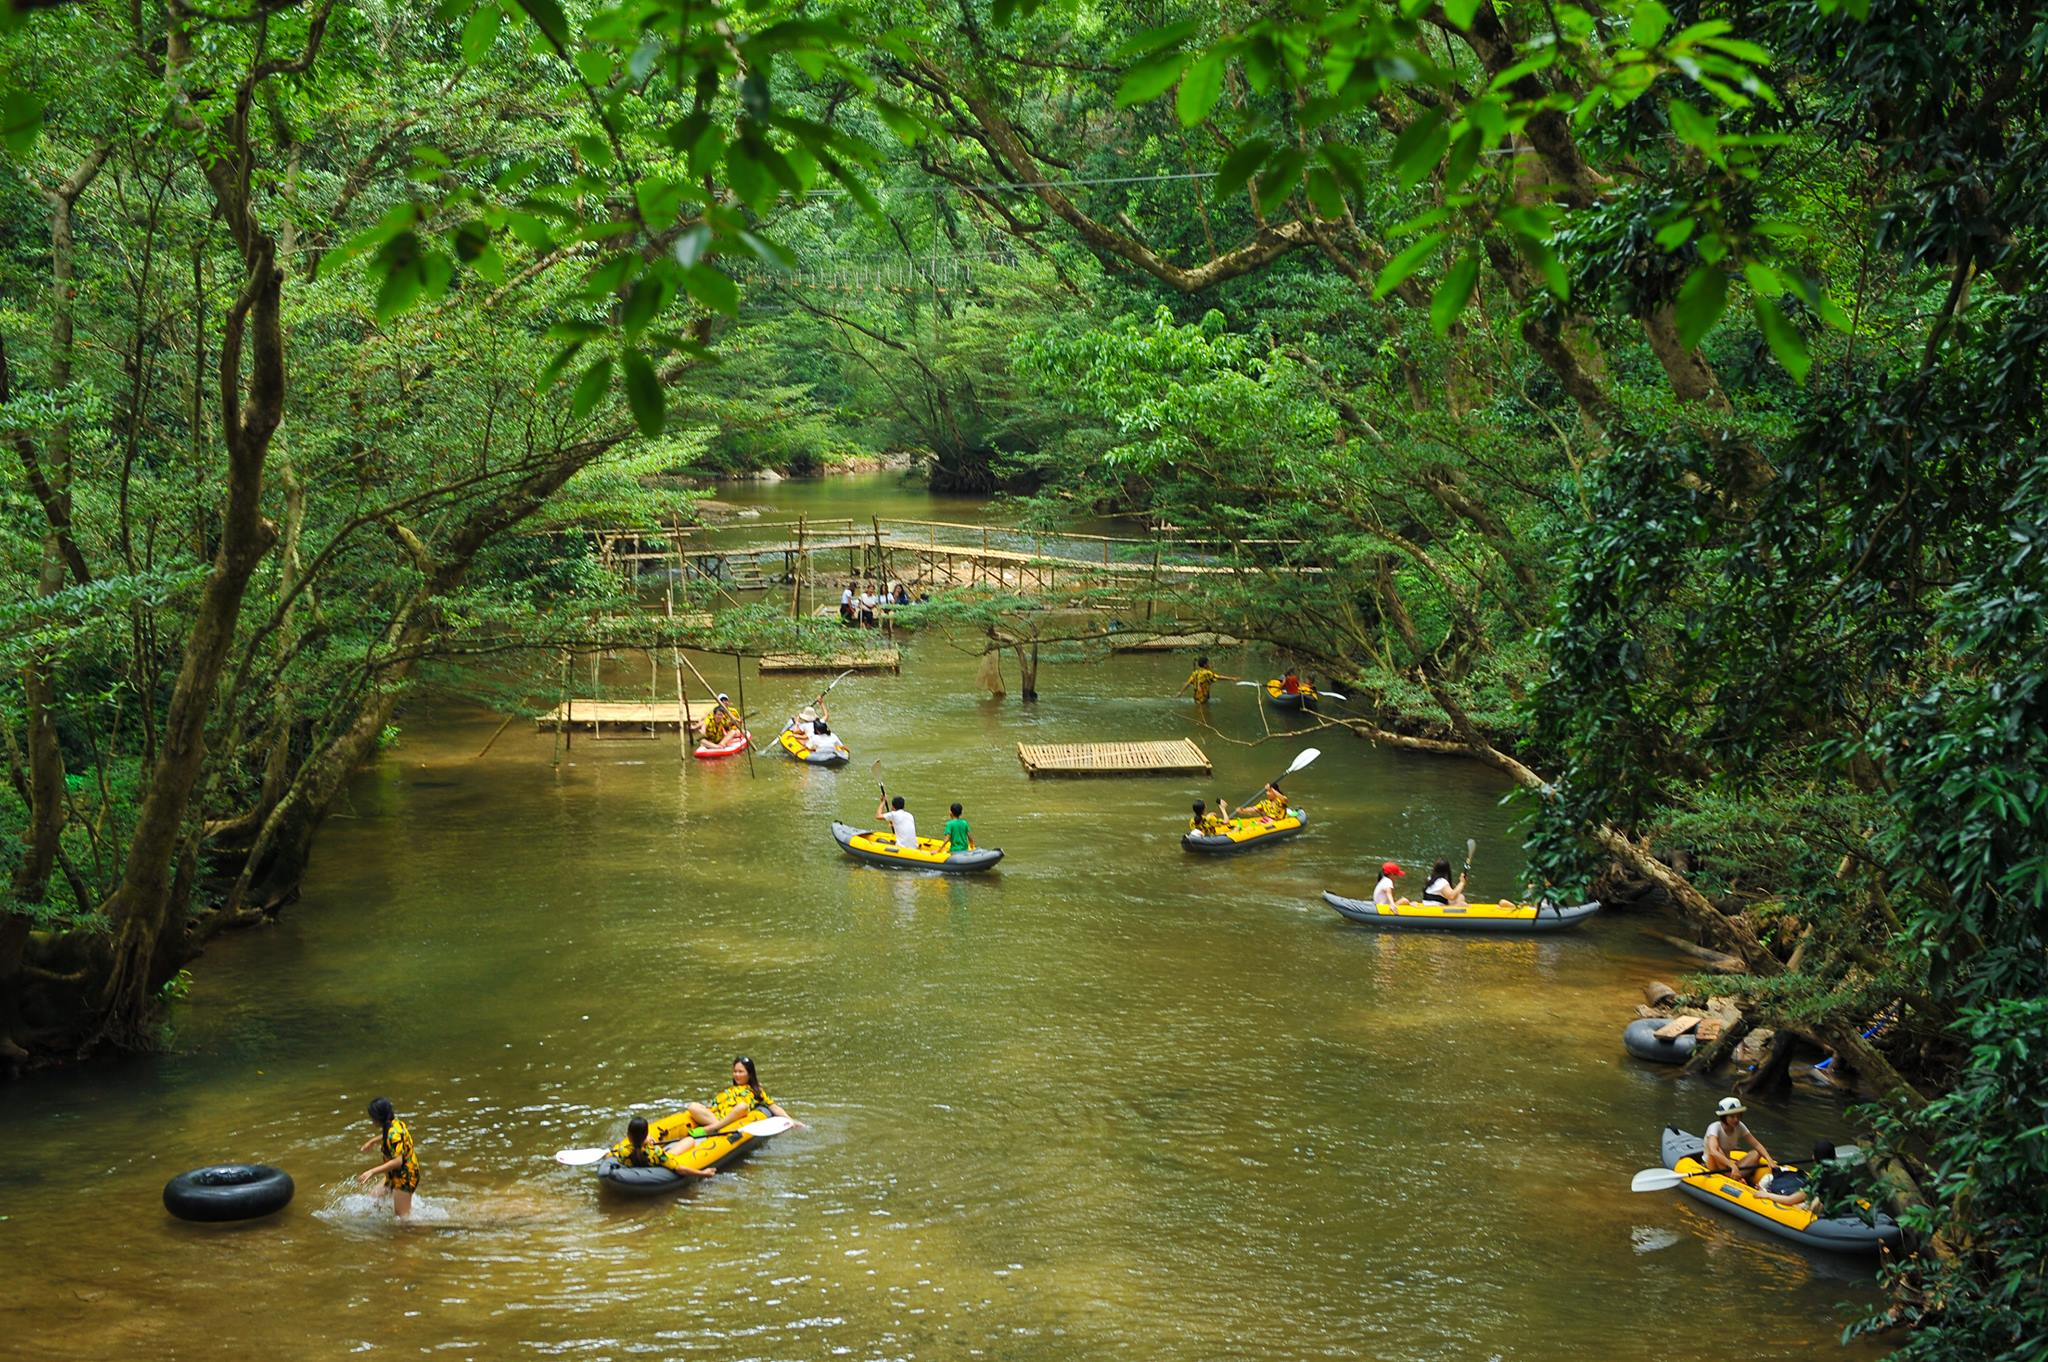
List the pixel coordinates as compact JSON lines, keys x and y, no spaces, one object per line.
{"x":1664,"y":1179}
{"x":1308,"y":754}
{"x":876,"y":769}
{"x":760,"y":1130}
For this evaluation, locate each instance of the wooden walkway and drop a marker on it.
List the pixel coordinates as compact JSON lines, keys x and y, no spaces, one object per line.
{"x":602,"y":714}
{"x":1177,"y":758}
{"x":867,"y":660}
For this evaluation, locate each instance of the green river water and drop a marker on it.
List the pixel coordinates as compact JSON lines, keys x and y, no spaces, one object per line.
{"x":1110,"y":1100}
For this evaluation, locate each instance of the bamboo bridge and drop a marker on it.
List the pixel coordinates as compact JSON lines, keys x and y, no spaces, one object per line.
{"x":924,"y":555}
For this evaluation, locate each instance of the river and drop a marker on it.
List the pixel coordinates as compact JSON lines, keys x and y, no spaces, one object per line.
{"x":1110,"y":1100}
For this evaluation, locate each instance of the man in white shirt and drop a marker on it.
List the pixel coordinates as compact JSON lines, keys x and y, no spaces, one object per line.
{"x":900,"y":822}
{"x":868,"y":602}
{"x":1727,"y":1134}
{"x":1383,"y":892}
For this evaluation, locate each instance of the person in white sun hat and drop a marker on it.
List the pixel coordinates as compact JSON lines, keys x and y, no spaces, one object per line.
{"x":1731,"y":1148}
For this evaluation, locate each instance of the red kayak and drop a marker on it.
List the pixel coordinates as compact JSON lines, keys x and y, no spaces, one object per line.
{"x":731,"y":747}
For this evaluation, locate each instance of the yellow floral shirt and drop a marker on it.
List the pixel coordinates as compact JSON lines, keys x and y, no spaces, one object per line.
{"x":398,"y":1145}
{"x":737,"y":1096}
{"x":1201,"y":679}
{"x":649,"y":1155}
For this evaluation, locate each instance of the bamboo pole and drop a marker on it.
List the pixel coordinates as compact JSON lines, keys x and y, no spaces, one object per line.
{"x":567,"y":713}
{"x":796,"y":576}
{"x":596,"y":691}
{"x":682,"y":699}
{"x":739,"y":669}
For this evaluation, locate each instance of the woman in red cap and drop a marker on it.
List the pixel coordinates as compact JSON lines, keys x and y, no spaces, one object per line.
{"x":1383,"y":892}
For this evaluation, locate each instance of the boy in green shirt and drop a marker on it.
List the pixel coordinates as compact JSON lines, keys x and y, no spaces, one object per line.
{"x":956,"y":832}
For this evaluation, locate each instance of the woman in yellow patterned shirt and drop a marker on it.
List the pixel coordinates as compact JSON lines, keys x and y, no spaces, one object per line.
{"x":635,"y":1152}
{"x":734,"y":1106}
{"x":401,"y":1166}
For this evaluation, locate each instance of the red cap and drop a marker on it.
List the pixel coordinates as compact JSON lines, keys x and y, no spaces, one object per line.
{"x":1391,"y":869}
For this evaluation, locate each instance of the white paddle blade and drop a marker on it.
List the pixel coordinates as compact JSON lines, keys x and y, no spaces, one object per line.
{"x":1251,"y":683}
{"x":1655,"y":1180}
{"x":1308,"y":754}
{"x":1331,"y":695}
{"x":771,"y":1125}
{"x":580,"y":1158}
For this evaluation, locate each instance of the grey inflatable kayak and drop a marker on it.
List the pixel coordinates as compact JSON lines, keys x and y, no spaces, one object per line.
{"x":711,"y":1151}
{"x":1841,"y":1233}
{"x":931,"y":853}
{"x":1467,"y":917}
{"x":1640,"y":1039}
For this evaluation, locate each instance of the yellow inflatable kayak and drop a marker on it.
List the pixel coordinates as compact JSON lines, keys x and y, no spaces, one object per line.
{"x":710,"y":1151}
{"x":1470,"y":917}
{"x":1305,"y":698}
{"x":931,"y":853}
{"x":793,"y":744}
{"x":1241,"y":833}
{"x":1848,"y":1232}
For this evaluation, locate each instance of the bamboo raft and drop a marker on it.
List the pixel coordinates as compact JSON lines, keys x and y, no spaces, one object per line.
{"x":866,"y":660}
{"x":1169,"y":643}
{"x":598,"y":715}
{"x":1177,"y":758}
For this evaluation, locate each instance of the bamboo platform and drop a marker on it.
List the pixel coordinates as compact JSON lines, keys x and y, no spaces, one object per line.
{"x":866,"y":660}
{"x":603,"y":714}
{"x":1177,"y":758}
{"x":1170,"y":643}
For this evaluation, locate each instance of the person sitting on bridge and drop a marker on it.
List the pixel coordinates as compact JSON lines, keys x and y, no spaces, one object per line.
{"x":902,"y":596}
{"x":846,"y":605}
{"x":868,"y":602}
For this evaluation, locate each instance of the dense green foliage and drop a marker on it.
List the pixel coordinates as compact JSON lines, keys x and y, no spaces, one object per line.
{"x":1648,"y":403}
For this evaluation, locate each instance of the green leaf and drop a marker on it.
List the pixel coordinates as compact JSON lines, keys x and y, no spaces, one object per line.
{"x":1150,"y":78}
{"x":1460,"y":12}
{"x":21,"y":121}
{"x":1429,"y":217}
{"x":906,"y":125}
{"x":1783,"y":338}
{"x":548,"y":17}
{"x":1701,"y":299}
{"x":1244,"y":162}
{"x":590,"y":389}
{"x":716,"y":291}
{"x":692,"y":244}
{"x":1324,"y":195}
{"x":556,"y":365}
{"x":643,"y":393}
{"x":481,"y":31}
{"x":1464,"y":156}
{"x":1453,"y":293}
{"x":595,"y":66}
{"x":1406,"y":263}
{"x":403,"y":284}
{"x":644,"y":303}
{"x":1647,"y":27}
{"x":1282,"y":177}
{"x":1672,"y":235}
{"x":1419,"y":148}
{"x":1695,"y":129}
{"x":1544,"y":261}
{"x":1762,"y":278}
{"x":1199,"y":89}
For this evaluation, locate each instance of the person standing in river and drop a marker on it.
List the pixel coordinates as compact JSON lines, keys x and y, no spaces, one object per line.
{"x":1201,"y":678}
{"x":401,"y":1166}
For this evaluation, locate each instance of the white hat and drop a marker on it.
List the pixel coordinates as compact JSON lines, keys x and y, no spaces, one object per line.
{"x":723,"y":697}
{"x":1729,"y":1106}
{"x":808,"y":715}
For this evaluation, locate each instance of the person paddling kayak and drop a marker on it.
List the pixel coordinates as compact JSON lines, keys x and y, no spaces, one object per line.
{"x":1440,"y":889}
{"x":901,"y":824}
{"x":1732,"y":1147}
{"x":721,"y":723}
{"x":401,"y":1166}
{"x":635,"y":1152}
{"x":1270,"y":804}
{"x":731,"y":1106}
